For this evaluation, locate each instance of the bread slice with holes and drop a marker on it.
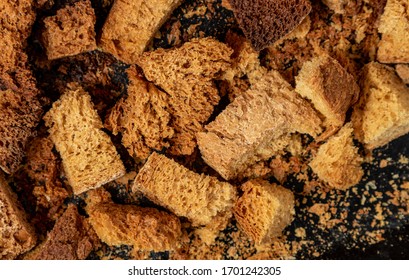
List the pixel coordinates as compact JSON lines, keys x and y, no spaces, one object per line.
{"x":199,"y":198}
{"x":88,"y":155}
{"x":131,"y":25}
{"x":17,"y":236}
{"x":264,"y":210}
{"x":382,"y":113}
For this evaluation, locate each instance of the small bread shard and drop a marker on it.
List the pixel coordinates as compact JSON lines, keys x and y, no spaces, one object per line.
{"x":266,"y":21}
{"x":264,"y":210}
{"x":382,"y":112}
{"x":338,"y":6}
{"x":186,"y":74}
{"x":394,"y":27}
{"x":338,"y":162}
{"x":19,"y":116}
{"x":88,"y":155}
{"x":141,"y":117}
{"x":403,"y":72}
{"x":199,"y":198}
{"x":71,"y":31}
{"x":131,"y":25}
{"x":330,"y":88}
{"x":146,"y":229}
{"x":17,"y":236}
{"x":72,"y":238}
{"x":255,"y":125}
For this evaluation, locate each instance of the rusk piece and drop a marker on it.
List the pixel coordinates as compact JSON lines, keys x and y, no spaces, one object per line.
{"x":253,"y":126}
{"x":199,"y":198}
{"x":141,"y":117}
{"x":266,"y":21}
{"x":264,"y":210}
{"x":131,"y":25}
{"x":89,"y":158}
{"x":146,"y":229}
{"x":186,"y":74}
{"x":394,"y":26}
{"x":403,"y":72}
{"x":71,"y":31}
{"x":19,"y":116}
{"x":17,"y":236}
{"x":72,"y":238}
{"x":382,"y":113}
{"x":330,"y":88}
{"x":338,"y":162}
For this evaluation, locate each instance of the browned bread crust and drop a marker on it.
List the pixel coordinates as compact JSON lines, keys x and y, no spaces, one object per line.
{"x":141,"y":117}
{"x":71,"y":31}
{"x":88,"y":155}
{"x":131,"y":25}
{"x":199,"y":198}
{"x":266,"y":21}
{"x":186,"y":74}
{"x":72,"y":238}
{"x":256,"y":125}
{"x":17,"y":236}
{"x":145,"y":228}
{"x":264,"y":210}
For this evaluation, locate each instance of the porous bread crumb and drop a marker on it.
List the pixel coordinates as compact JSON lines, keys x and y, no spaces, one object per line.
{"x":403,"y":72}
{"x":131,"y":25}
{"x":394,"y":27}
{"x":141,"y":117}
{"x":338,"y":162}
{"x":382,"y":113}
{"x":145,"y":229}
{"x":17,"y":236}
{"x":88,"y":156}
{"x":264,"y":210}
{"x":199,"y":198}
{"x":71,"y":31}
{"x":186,"y":74}
{"x":72,"y":238}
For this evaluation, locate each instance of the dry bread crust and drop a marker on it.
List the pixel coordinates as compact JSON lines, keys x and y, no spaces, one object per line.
{"x":71,"y":31}
{"x":330,"y":88}
{"x":338,"y":162}
{"x":72,"y":238}
{"x":382,"y":113}
{"x":141,"y":117}
{"x":256,"y":125}
{"x":186,"y":74}
{"x":131,"y":25}
{"x":266,"y":21}
{"x":199,"y":198}
{"x":394,"y":27}
{"x":17,"y":236}
{"x":403,"y":72}
{"x":88,"y":155}
{"x":264,"y":210}
{"x":145,"y":228}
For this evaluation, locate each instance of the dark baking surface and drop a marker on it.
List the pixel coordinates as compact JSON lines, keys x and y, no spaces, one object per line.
{"x":358,"y":222}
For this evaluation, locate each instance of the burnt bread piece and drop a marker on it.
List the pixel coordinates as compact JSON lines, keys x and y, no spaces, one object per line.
{"x":17,"y":236}
{"x":256,"y":125}
{"x":88,"y":155}
{"x":141,"y":117}
{"x":338,"y":162}
{"x":70,"y":31}
{"x":382,"y":112}
{"x":266,"y":21}
{"x":72,"y":238}
{"x":199,"y":198}
{"x":330,"y":88}
{"x":394,"y":27}
{"x":146,"y":229}
{"x":264,"y":210}
{"x":187,"y":75}
{"x":131,"y":25}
